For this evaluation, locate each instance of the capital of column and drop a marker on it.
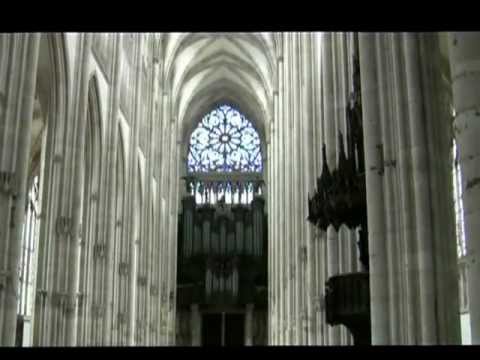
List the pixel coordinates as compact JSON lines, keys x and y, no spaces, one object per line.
{"x":5,"y":277}
{"x":7,"y":182}
{"x":64,"y":226}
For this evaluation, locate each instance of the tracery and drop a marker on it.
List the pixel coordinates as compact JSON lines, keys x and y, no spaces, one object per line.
{"x":224,"y":141}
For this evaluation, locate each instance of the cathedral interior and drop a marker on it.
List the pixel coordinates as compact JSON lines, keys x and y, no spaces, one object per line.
{"x":239,"y":189}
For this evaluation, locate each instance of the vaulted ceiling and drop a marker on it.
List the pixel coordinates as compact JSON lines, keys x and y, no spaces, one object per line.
{"x":205,"y":69}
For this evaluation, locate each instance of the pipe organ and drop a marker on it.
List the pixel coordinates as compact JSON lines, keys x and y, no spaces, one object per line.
{"x":222,"y":252}
{"x":222,"y":248}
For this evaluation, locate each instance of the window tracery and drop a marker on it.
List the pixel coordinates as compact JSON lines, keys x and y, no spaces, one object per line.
{"x":224,"y":161}
{"x":224,"y":141}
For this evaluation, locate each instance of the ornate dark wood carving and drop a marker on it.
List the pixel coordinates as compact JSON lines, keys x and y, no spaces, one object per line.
{"x":340,"y":198}
{"x":347,"y":300}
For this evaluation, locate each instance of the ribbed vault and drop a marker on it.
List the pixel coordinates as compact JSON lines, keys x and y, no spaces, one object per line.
{"x":202,"y":70}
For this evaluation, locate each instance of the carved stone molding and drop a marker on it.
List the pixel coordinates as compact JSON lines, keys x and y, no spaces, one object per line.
{"x":138,"y":336}
{"x":80,"y":300}
{"x":122,"y":317}
{"x":171,"y":299}
{"x":7,"y":182}
{"x":123,"y":268}
{"x":153,"y":290}
{"x":303,"y":254}
{"x":12,"y":216}
{"x":102,"y":48}
{"x":57,"y":158}
{"x":99,"y":250}
{"x":321,"y":302}
{"x":98,"y":310}
{"x":292,"y":270}
{"x":4,"y":279}
{"x":59,"y":299}
{"x":70,"y":303}
{"x":164,"y":295}
{"x":80,"y":234}
{"x":142,"y":280}
{"x":41,"y":295}
{"x":153,"y":327}
{"x":64,"y":226}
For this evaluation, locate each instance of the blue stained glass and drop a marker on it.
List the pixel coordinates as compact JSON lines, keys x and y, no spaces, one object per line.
{"x":224,"y":141}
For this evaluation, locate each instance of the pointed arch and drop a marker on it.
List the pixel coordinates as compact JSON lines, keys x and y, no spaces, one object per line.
{"x":53,"y":84}
{"x":121,"y":249}
{"x":224,"y":141}
{"x":92,"y":170}
{"x":139,"y":252}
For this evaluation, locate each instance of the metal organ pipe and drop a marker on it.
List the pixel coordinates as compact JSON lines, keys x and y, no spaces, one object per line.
{"x":206,"y":227}
{"x":238,"y":216}
{"x":257,"y":206}
{"x":188,"y":225}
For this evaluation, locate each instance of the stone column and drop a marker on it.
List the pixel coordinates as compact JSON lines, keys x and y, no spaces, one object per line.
{"x":298,"y":203}
{"x":421,"y":189}
{"x":144,"y":95}
{"x":173,"y":254}
{"x":391,"y":237}
{"x":279,"y":278}
{"x":157,"y":148}
{"x":274,"y":232}
{"x":166,"y":137}
{"x":319,"y":252}
{"x":376,"y":224}
{"x":331,"y":151}
{"x":282,"y":277}
{"x":289,"y":256}
{"x":340,"y":60}
{"x":104,"y":302}
{"x":272,"y":248}
{"x":55,"y":311}
{"x":465,"y":69}
{"x":309,"y":171}
{"x":406,"y":256}
{"x":15,"y":126}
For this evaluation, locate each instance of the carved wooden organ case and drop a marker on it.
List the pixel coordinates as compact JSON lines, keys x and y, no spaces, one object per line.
{"x":222,"y":253}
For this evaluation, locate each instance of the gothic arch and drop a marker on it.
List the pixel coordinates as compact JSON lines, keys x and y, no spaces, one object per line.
{"x":153,"y":264}
{"x":92,"y":188}
{"x":216,"y":94}
{"x":94,"y":132}
{"x":138,"y":304}
{"x":239,"y":67}
{"x":121,"y":249}
{"x":213,"y":96}
{"x":51,"y":99}
{"x":52,"y":94}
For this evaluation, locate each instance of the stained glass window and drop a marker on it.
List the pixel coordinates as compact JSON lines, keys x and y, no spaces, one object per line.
{"x":224,"y":141}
